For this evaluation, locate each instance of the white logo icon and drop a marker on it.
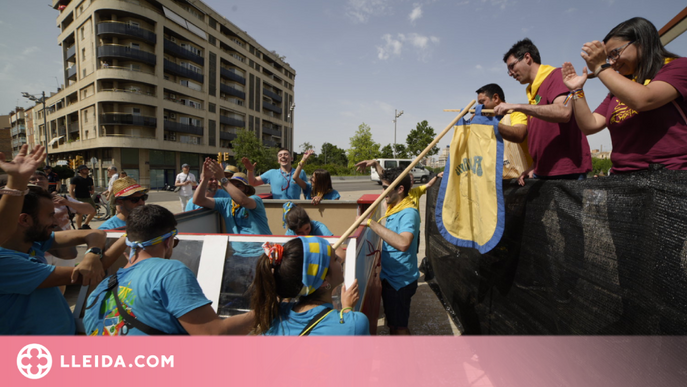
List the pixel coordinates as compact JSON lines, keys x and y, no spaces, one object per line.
{"x":34,"y":361}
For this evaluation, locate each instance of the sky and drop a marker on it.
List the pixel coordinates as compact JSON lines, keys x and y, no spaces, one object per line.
{"x":356,"y":61}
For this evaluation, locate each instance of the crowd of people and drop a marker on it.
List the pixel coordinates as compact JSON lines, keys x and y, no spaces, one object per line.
{"x":292,"y":285}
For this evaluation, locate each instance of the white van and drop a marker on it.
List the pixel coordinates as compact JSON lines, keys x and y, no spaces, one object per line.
{"x":419,"y":172}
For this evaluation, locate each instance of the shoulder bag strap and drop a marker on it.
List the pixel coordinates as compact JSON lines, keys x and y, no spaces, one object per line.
{"x":315,"y":320}
{"x":130,"y":320}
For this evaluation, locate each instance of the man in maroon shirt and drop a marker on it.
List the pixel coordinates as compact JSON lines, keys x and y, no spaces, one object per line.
{"x":558,"y":148}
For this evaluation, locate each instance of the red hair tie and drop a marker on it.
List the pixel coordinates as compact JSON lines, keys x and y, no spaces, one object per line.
{"x":274,"y":252}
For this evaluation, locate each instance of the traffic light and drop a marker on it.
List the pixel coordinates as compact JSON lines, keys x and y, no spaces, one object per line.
{"x":226,"y":156}
{"x":219,"y":157}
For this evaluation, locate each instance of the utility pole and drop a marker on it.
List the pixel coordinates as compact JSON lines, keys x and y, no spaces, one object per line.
{"x":396,"y":115}
{"x":45,"y":120}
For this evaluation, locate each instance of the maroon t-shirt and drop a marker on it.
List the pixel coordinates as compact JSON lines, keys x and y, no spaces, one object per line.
{"x":656,"y":136}
{"x":557,"y":149}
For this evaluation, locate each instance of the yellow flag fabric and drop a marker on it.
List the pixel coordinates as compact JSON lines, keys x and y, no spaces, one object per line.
{"x":469,"y":210}
{"x":533,"y":89}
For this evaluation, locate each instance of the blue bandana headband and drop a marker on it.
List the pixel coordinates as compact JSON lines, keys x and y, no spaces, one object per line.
{"x":287,"y":207}
{"x":317,"y":253}
{"x":143,"y":245}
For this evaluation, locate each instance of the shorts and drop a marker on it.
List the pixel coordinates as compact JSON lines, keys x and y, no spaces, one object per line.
{"x":87,"y":200}
{"x":397,"y":303}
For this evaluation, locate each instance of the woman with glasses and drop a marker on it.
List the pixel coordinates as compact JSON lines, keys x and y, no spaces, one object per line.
{"x":292,"y":292}
{"x":645,"y":108}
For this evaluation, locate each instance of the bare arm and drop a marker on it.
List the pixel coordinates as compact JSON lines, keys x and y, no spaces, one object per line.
{"x":204,"y":321}
{"x":199,"y":196}
{"x":588,"y":122}
{"x":514,"y":133}
{"x":18,"y":172}
{"x":91,"y":268}
{"x":72,"y":188}
{"x":236,"y":194}
{"x":362,"y":166}
{"x":434,"y":179}
{"x":400,"y":241}
{"x":77,"y":206}
{"x":554,"y":112}
{"x":250,"y":173}
{"x":297,"y":172}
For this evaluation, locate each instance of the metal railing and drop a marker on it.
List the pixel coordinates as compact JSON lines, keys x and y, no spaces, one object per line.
{"x":269,"y":106}
{"x":232,"y":121}
{"x":231,"y":91}
{"x":183,"y":128}
{"x":127,"y":119}
{"x":183,"y":71}
{"x":120,"y":28}
{"x":232,"y":75}
{"x":119,"y":51}
{"x":271,"y":94}
{"x":179,"y":51}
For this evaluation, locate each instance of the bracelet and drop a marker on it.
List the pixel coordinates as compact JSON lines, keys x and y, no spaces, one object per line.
{"x":342,"y":312}
{"x":573,"y":93}
{"x":368,"y":222}
{"x":300,"y":163}
{"x":13,"y":192}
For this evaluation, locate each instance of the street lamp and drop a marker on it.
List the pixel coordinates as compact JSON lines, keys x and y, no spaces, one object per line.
{"x":45,"y":118}
{"x":396,"y":115}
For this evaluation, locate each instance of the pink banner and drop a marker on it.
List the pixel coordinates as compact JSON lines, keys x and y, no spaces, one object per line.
{"x":344,"y":361}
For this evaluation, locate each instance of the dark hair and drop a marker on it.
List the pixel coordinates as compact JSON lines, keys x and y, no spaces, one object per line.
{"x":270,"y":288}
{"x":491,"y":89}
{"x":323,"y":182}
{"x":652,"y":54}
{"x":392,"y":174}
{"x":113,"y":168}
{"x":147,"y":222}
{"x":32,"y":200}
{"x":296,"y":218}
{"x":521,"y":48}
{"x":284,"y":149}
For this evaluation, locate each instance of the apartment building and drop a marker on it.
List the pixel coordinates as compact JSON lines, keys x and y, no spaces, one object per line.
{"x":17,"y":130}
{"x":5,"y":136}
{"x":150,"y":85}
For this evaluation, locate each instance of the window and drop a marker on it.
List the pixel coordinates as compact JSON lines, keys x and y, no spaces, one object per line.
{"x":135,"y":46}
{"x":83,"y":33}
{"x":134,"y":24}
{"x":136,"y":111}
{"x":83,"y":54}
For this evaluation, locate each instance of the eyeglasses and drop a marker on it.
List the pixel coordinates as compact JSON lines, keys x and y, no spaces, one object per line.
{"x":135,"y":200}
{"x":384,"y":187}
{"x":615,"y":54}
{"x":511,"y":66}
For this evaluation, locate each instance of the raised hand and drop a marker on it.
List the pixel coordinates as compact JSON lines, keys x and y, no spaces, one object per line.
{"x":213,"y":169}
{"x":362,"y":166}
{"x":307,"y":154}
{"x":570,"y":78}
{"x":23,"y":165}
{"x":594,"y":54}
{"x":247,"y":164}
{"x":350,"y":296}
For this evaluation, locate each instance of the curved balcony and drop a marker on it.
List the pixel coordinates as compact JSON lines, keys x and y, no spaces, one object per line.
{"x":125,"y":29}
{"x":71,"y":72}
{"x":231,"y":91}
{"x":271,"y":131}
{"x":271,"y":94}
{"x":271,"y":107}
{"x":183,"y":71}
{"x":183,"y":128}
{"x":232,"y":121}
{"x":127,"y":119}
{"x":227,"y":136}
{"x":231,"y":75}
{"x":117,"y":51}
{"x":177,"y":50}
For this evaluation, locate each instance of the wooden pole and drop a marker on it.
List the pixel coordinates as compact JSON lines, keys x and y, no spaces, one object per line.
{"x":399,"y":178}
{"x":487,"y":111}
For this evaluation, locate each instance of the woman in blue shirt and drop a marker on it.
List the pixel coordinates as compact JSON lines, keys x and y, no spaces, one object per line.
{"x":297,"y":222}
{"x":305,"y":270}
{"x":320,"y":185}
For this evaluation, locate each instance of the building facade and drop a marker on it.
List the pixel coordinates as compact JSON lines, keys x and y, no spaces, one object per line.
{"x":17,"y":130}
{"x":5,"y":136}
{"x":150,"y":85}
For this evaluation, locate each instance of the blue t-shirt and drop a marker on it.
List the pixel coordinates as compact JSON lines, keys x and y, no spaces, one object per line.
{"x":24,"y":308}
{"x":246,"y":222}
{"x":316,"y":228}
{"x":220,"y":193}
{"x":112,"y":223}
{"x":331,"y":195}
{"x":156,"y":291}
{"x":290,"y":323}
{"x":38,"y":249}
{"x":400,"y":268}
{"x":282,"y":185}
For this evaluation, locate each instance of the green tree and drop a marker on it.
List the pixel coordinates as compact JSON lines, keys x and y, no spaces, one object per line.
{"x":363,"y":146}
{"x":306,"y":146}
{"x":247,"y":145}
{"x":401,"y":151}
{"x":419,"y":138}
{"x":331,"y":154}
{"x":387,"y":152}
{"x":601,"y":166}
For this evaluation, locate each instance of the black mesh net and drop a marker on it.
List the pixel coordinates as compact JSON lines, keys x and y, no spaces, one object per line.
{"x":601,"y":256}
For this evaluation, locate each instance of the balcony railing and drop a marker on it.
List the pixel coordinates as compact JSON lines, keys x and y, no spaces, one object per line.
{"x":62,"y":130}
{"x":119,"y":28}
{"x":117,"y":51}
{"x":73,"y":127}
{"x":127,"y":119}
{"x":232,"y":121}
{"x":183,"y":128}
{"x":227,"y":136}
{"x":269,"y":106}
{"x":71,"y":51}
{"x":183,"y":71}
{"x":232,"y":75}
{"x":177,"y":50}
{"x":271,"y":94}
{"x":271,"y":131}
{"x":269,"y":143}
{"x":71,"y":72}
{"x":231,"y":91}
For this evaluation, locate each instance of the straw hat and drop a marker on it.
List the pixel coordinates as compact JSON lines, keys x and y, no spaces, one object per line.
{"x":231,"y":169}
{"x":126,"y":186}
{"x":241,"y":177}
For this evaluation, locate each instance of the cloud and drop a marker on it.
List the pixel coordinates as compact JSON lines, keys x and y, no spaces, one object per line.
{"x":479,"y":67}
{"x":501,"y":4}
{"x":361,"y":10}
{"x":30,"y":50}
{"x":570,"y":10}
{"x":393,"y":45}
{"x":416,"y":13}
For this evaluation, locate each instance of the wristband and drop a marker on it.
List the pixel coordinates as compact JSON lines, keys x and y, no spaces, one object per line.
{"x":368,"y":222}
{"x":601,"y":68}
{"x":342,"y":312}
{"x":574,"y":94}
{"x":13,"y":192}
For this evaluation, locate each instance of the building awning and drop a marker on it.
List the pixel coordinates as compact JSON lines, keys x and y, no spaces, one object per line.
{"x":54,"y":140}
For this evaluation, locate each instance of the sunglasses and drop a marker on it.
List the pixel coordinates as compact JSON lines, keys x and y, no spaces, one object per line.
{"x":136,"y":199}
